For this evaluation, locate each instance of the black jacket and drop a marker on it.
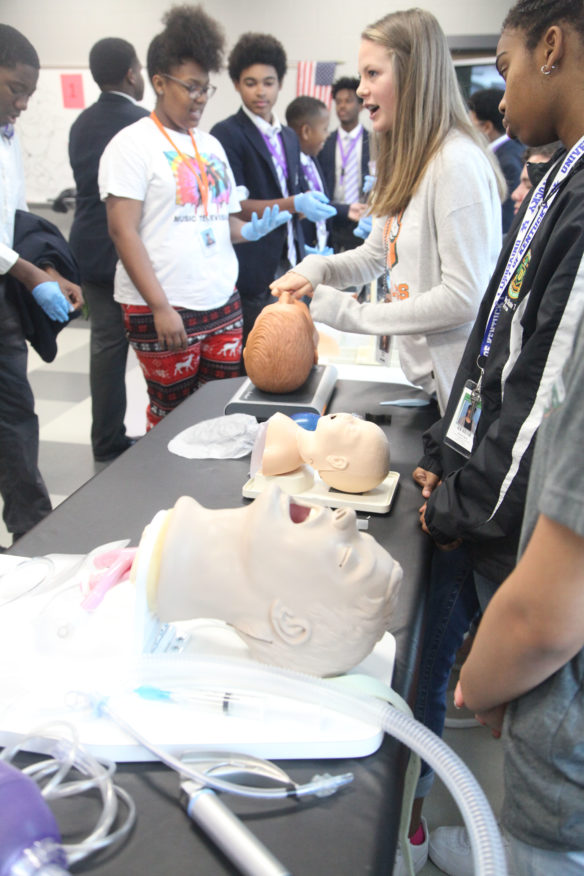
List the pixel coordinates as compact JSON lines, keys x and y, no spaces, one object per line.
{"x":481,"y":499}
{"x":39,"y":241}
{"x":90,"y":133}
{"x":253,"y":167}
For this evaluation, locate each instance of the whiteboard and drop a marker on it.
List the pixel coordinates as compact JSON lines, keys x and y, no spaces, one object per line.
{"x":44,"y":134}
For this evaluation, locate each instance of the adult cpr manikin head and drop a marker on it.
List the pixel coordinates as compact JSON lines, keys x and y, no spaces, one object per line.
{"x":281,"y":347}
{"x":349,"y":454}
{"x":304,"y":588}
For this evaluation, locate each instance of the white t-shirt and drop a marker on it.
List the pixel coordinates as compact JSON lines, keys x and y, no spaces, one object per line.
{"x":11,"y":198}
{"x":191,"y":253}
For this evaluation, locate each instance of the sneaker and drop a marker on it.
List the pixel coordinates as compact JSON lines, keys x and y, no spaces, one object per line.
{"x":450,"y":850}
{"x":419,"y":855}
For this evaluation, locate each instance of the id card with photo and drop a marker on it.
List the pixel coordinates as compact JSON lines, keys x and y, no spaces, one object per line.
{"x":462,"y":430}
{"x":208,"y":241}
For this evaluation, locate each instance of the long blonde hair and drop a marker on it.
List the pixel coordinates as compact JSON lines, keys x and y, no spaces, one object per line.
{"x":429,"y":106}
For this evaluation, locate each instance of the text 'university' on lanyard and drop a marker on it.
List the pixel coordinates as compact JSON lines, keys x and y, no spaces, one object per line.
{"x":196,"y":164}
{"x":539,"y":205}
{"x":460,"y":434}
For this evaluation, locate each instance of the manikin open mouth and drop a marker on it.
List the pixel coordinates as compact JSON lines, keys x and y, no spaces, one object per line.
{"x":300,"y":513}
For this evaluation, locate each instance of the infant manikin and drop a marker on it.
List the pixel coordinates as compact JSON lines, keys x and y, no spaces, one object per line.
{"x":349,"y":454}
{"x":302,"y":586}
{"x":282,"y":346}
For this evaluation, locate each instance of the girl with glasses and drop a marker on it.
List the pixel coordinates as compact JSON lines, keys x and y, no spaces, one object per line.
{"x":171,"y":198}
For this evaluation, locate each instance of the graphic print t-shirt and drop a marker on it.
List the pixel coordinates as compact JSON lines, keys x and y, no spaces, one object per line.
{"x":191,"y":252}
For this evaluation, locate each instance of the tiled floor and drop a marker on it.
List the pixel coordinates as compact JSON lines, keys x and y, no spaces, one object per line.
{"x":63,"y":406}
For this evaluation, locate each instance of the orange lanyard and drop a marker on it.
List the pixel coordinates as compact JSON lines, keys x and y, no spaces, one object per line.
{"x":197,"y":166}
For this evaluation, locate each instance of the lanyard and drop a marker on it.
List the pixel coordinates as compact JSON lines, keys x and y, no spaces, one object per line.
{"x":274,"y":144}
{"x":197,"y":165}
{"x":500,"y":142}
{"x":534,"y":216}
{"x":312,"y":173}
{"x":346,"y":154}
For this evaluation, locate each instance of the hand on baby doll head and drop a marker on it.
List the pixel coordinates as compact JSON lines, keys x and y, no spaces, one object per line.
{"x":281,"y":347}
{"x":349,"y":454}
{"x":303,"y":587}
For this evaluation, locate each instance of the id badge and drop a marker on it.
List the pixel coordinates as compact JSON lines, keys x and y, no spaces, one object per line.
{"x":462,"y":430}
{"x":208,"y":241}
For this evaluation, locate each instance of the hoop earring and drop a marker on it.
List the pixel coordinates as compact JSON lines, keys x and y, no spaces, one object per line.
{"x":547,"y":70}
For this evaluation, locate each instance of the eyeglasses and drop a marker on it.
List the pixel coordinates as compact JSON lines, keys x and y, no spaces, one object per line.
{"x":194,"y":91}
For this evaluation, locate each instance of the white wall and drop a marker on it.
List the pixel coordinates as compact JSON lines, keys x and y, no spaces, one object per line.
{"x":63,"y":32}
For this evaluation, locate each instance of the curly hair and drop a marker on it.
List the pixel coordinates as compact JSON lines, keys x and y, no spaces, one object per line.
{"x":16,"y":49}
{"x":345,"y":83}
{"x":535,"y":16}
{"x":256,"y":48}
{"x":190,"y":35}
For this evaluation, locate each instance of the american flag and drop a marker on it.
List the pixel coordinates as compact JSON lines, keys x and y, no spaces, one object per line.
{"x":315,"y":79}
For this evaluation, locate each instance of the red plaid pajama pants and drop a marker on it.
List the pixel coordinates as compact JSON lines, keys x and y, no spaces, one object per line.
{"x":213,"y":352}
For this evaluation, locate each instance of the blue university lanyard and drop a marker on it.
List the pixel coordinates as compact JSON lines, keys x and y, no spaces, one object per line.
{"x":534,"y":216}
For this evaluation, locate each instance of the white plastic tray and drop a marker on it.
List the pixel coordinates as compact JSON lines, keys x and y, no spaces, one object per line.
{"x":303,"y":484}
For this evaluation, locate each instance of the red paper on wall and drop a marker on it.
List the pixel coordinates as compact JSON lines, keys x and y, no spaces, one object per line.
{"x":72,"y":88}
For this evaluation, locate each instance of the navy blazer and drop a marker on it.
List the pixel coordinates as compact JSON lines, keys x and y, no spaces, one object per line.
{"x":510,"y":158}
{"x":89,"y":135}
{"x":327,"y":159}
{"x":252,"y":166}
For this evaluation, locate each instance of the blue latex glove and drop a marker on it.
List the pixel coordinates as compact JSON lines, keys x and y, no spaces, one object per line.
{"x":368,"y":183}
{"x":364,"y":227}
{"x":314,"y":205}
{"x":314,"y":250}
{"x":48,"y":296}
{"x":271,"y":219}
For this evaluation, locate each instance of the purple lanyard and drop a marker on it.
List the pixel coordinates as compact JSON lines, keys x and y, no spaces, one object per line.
{"x":353,"y":145}
{"x":312,"y":175}
{"x":277,"y":152}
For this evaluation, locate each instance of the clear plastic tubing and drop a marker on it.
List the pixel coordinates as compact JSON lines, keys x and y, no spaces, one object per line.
{"x":487,"y":847}
{"x":30,"y":842}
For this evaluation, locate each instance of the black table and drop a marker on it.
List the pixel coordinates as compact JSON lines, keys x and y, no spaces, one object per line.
{"x":353,"y":832}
